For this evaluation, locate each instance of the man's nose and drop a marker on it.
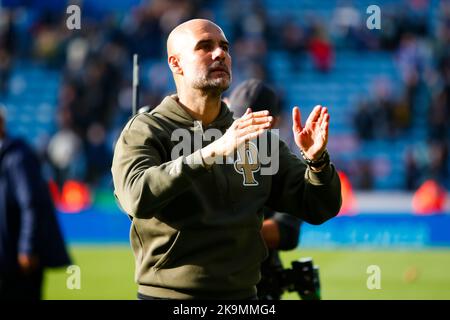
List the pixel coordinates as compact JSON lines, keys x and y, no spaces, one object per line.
{"x":218,"y":54}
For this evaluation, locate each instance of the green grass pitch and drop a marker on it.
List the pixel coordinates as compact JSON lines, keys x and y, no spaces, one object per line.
{"x":107,"y":272}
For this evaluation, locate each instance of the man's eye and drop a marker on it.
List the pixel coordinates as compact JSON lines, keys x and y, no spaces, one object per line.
{"x":225,"y":48}
{"x":206,"y":46}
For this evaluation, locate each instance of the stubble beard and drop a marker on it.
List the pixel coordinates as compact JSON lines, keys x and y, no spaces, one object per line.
{"x":212,"y":86}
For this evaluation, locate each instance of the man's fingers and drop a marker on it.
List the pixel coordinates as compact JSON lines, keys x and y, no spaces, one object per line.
{"x":246,"y":115}
{"x":324,"y":126}
{"x":314,"y":116}
{"x":261,"y":113}
{"x":251,"y":135}
{"x":325,"y":123}
{"x":296,"y":120}
{"x":254,"y":128}
{"x":323,"y":112}
{"x":325,"y":120}
{"x":257,"y":120}
{"x":250,"y":126}
{"x":257,"y":114}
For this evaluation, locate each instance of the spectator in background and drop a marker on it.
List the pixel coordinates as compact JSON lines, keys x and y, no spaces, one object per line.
{"x":365,"y":179}
{"x":438,"y":116}
{"x":390,"y":37}
{"x":293,"y":41}
{"x":7,"y":44}
{"x":5,"y":67}
{"x":251,"y":58}
{"x":439,"y":109}
{"x":349,"y":30}
{"x":65,"y":148}
{"x":438,"y":166}
{"x":364,"y":121}
{"x":412,"y":171}
{"x":321,"y":49}
{"x":383,"y":106}
{"x":65,"y":156}
{"x":30,"y":238}
{"x":345,"y":20}
{"x":412,"y":56}
{"x":253,"y":23}
{"x":145,"y":25}
{"x":250,"y":38}
{"x":384,"y":117}
{"x":280,"y":231}
{"x":48,"y":39}
{"x":406,"y":106}
{"x":98,"y":155}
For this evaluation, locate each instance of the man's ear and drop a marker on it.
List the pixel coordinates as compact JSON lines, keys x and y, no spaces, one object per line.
{"x":174,"y":64}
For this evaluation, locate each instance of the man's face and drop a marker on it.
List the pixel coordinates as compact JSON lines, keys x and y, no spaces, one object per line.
{"x":205,"y":59}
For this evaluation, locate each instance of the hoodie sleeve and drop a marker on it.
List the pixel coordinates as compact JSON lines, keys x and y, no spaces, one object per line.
{"x":27,"y":183}
{"x":143,"y":181}
{"x":311,"y":196}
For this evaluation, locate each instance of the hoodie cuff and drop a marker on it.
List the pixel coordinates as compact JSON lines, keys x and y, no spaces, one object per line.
{"x":195,"y":161}
{"x":320,"y":178}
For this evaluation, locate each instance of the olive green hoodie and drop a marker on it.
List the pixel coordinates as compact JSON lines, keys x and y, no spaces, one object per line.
{"x":195,"y":231}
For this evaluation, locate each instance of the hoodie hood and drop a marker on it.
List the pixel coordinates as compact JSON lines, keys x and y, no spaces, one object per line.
{"x":171,"y":109}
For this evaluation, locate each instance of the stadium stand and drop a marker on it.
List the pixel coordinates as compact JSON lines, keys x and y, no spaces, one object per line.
{"x":361,"y":63}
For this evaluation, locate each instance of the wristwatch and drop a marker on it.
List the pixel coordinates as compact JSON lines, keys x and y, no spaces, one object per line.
{"x":319,"y":163}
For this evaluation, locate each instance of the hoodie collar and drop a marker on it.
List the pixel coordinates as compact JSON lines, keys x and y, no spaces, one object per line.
{"x":170,"y":108}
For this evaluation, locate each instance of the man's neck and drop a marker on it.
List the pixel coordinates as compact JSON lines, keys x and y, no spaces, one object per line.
{"x":201,"y":106}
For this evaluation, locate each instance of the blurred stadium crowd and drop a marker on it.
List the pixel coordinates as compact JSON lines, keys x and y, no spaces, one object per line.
{"x":388,"y":90}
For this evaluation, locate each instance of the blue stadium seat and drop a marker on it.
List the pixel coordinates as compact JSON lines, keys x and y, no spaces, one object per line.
{"x":32,"y":101}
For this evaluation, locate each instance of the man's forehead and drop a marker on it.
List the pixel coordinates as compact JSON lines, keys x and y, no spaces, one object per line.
{"x":191,"y":32}
{"x":207,"y":32}
{"x":210,"y":37}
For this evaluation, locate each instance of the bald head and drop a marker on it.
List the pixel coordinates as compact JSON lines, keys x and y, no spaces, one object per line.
{"x":177,"y":37}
